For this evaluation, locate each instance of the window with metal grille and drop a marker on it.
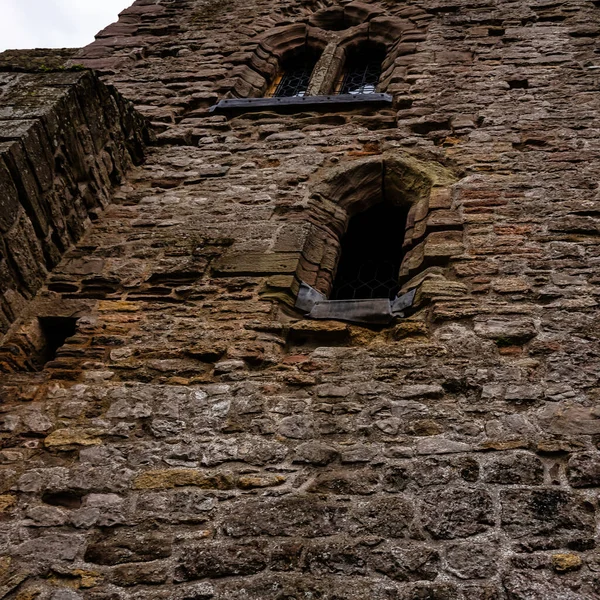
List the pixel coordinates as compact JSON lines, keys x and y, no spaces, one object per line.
{"x":371,"y":254}
{"x":292,"y":81}
{"x":362,"y":71}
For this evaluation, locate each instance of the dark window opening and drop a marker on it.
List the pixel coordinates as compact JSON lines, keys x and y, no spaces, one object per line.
{"x":54,"y":333}
{"x":518,"y":84}
{"x":64,"y":499}
{"x":371,"y":254}
{"x":362,"y":71}
{"x":295,"y":76}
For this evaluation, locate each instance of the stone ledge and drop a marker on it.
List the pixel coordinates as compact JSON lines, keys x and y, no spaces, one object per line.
{"x":313,"y":103}
{"x":41,"y":60}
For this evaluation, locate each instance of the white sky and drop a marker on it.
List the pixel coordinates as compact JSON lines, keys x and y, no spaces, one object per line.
{"x":55,"y":23}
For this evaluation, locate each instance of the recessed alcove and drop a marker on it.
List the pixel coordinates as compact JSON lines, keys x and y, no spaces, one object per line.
{"x":36,"y":343}
{"x":54,"y":332}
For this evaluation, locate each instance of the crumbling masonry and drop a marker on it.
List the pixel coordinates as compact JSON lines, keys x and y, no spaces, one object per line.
{"x":173,"y":423}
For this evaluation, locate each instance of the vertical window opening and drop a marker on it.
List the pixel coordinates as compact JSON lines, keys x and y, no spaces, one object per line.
{"x":54,"y":333}
{"x":362,"y":70}
{"x":371,"y":254}
{"x":293,"y":79}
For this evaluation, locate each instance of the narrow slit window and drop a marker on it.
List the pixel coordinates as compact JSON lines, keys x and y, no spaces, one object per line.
{"x":362,"y":71}
{"x":371,"y":254}
{"x":292,"y":81}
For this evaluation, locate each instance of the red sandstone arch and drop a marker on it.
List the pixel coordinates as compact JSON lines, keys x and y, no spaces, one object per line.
{"x":433,"y":228}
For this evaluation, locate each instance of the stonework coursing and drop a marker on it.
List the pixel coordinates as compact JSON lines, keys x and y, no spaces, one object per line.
{"x":197,"y":437}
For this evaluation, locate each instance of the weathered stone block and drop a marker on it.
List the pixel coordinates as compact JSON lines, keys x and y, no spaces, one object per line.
{"x":506,"y":330}
{"x":316,"y":453}
{"x":289,"y":516}
{"x":336,"y":557}
{"x":473,"y":560}
{"x":546,"y":513}
{"x":220,"y":559}
{"x":257,"y":264}
{"x":519,"y":468}
{"x":389,"y":517}
{"x":9,"y":199}
{"x":583,"y":470}
{"x":167,"y":479}
{"x":457,"y":513}
{"x":345,"y":483}
{"x":128,"y":545}
{"x":407,"y":562}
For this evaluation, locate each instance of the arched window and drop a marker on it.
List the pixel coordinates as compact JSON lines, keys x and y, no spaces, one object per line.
{"x":371,"y":254}
{"x":362,"y":70}
{"x":294,"y":77}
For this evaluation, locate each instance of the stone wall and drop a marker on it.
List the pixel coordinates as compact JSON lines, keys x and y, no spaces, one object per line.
{"x":65,"y":141}
{"x":198,"y":438}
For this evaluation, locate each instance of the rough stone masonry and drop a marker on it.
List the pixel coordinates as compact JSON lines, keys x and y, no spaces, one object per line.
{"x":195,"y":436}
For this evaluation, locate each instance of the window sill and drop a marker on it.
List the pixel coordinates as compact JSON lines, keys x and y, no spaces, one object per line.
{"x":378,"y":311}
{"x":294,"y":104}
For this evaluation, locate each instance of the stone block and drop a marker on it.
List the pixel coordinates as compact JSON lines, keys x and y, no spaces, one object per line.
{"x":390,"y":517}
{"x":440,"y":198}
{"x":152,"y":573}
{"x":257,"y":264}
{"x":444,"y":244}
{"x":555,"y":515}
{"x":514,"y":469}
{"x":565,"y":418}
{"x":302,"y":515}
{"x":65,"y":438}
{"x":443,"y":219}
{"x":583,"y":470}
{"x":9,"y":199}
{"x":314,"y":452}
{"x":563,"y":563}
{"x":129,"y":545}
{"x":224,"y":559}
{"x":473,"y":560}
{"x":335,"y":556}
{"x":457,"y":513}
{"x":171,"y":478}
{"x":509,"y":330}
{"x":345,"y":483}
{"x":407,"y":562}
{"x":523,"y":585}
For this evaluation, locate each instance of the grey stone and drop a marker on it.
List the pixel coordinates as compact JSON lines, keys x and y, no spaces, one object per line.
{"x":315,"y":453}
{"x":457,"y":512}
{"x":583,"y":470}
{"x":548,"y":513}
{"x":473,"y":560}
{"x":407,"y":563}
{"x":519,"y":468}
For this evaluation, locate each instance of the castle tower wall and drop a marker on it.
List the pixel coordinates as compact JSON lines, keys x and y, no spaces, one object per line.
{"x":200,"y":437}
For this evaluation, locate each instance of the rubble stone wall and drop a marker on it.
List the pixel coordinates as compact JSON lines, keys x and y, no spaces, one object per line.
{"x":65,"y":141}
{"x":198,"y":438}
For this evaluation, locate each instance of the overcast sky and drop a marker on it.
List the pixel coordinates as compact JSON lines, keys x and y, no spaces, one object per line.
{"x":55,"y":23}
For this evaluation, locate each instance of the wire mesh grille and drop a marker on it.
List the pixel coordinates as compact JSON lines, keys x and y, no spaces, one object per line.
{"x":371,"y":255}
{"x":296,"y":76}
{"x":361,"y":77}
{"x":371,"y":280}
